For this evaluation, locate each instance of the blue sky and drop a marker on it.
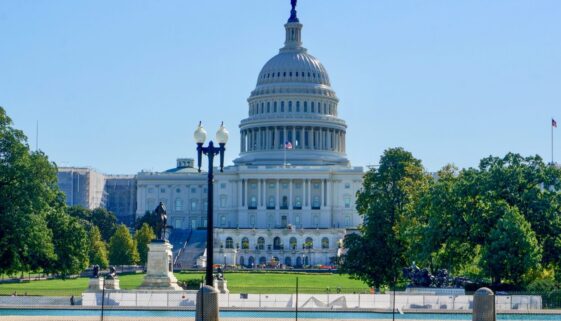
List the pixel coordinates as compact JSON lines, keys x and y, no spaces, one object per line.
{"x":120,"y":85}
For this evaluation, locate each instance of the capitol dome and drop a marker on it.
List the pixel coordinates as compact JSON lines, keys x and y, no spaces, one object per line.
{"x":293,"y":110}
{"x":293,"y":66}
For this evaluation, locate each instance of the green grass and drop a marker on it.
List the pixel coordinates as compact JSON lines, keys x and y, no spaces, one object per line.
{"x":238,"y":282}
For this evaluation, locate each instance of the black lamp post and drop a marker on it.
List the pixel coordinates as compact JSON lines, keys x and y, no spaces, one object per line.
{"x":210,"y":151}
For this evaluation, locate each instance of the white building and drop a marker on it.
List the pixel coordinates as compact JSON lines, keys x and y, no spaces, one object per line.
{"x":289,"y":198}
{"x":82,"y":186}
{"x":182,"y":189}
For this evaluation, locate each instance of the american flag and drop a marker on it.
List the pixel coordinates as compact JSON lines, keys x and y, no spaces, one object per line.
{"x":553,"y":123}
{"x":287,"y":145}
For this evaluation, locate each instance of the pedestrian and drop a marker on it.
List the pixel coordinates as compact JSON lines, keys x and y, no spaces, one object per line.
{"x":72,"y":300}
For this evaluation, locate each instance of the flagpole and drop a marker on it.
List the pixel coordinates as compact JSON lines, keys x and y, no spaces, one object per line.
{"x":552,"y":120}
{"x":284,"y":163}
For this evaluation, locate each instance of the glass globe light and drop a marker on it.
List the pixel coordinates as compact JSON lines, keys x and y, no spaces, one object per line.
{"x":200,"y":134}
{"x":222,"y":134}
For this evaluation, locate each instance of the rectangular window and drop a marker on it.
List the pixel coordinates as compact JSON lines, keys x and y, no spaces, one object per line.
{"x":347,"y":201}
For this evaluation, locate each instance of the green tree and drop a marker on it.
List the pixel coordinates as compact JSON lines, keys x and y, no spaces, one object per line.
{"x":98,"y":249}
{"x":71,"y":244}
{"x":150,"y":218}
{"x":105,"y":221}
{"x":446,"y":239}
{"x":122,"y":248}
{"x":28,"y":192}
{"x":387,"y":204}
{"x":143,"y":237}
{"x":511,"y":250}
{"x":462,"y":212}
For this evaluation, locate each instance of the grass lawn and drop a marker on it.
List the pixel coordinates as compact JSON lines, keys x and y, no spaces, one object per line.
{"x":258,"y":282}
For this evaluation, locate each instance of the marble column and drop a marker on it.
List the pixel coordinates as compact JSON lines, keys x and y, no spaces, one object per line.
{"x":290,"y":182}
{"x":277,"y":201}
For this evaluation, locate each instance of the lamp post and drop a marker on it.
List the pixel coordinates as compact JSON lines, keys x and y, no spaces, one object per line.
{"x":210,"y":151}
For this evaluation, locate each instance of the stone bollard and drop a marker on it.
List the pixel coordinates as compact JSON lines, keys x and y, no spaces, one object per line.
{"x":207,"y":304}
{"x":484,"y":305}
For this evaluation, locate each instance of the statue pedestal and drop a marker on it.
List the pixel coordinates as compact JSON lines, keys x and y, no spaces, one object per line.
{"x":112,"y":284}
{"x":95,"y":284}
{"x":221,"y":286}
{"x":159,"y":272}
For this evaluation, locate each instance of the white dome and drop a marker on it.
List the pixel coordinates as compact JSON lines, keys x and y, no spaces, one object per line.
{"x":293,"y":111}
{"x":293,"y":66}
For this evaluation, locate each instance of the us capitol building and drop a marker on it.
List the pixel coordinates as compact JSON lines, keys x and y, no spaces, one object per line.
{"x":289,"y":198}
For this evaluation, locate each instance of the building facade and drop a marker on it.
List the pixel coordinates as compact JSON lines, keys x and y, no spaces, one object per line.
{"x":91,"y":189}
{"x":182,"y":189}
{"x":82,"y":186}
{"x":289,"y":198}
{"x":120,"y":191}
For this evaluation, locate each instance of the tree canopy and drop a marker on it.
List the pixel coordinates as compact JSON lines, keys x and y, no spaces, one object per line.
{"x":499,"y":221}
{"x":386,"y":203}
{"x":36,"y":233}
{"x":143,"y":237}
{"x":122,"y":248}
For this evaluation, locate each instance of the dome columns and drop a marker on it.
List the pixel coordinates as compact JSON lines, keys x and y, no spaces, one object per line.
{"x":271,"y":138}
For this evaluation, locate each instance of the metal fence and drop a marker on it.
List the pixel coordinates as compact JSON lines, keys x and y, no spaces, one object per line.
{"x":331,"y":303}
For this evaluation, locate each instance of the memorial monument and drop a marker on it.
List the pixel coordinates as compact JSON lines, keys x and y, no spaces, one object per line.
{"x":159,"y":265}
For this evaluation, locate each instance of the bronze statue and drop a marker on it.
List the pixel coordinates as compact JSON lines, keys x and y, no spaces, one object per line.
{"x":162,"y":223}
{"x":95,"y":272}
{"x":293,"y":17}
{"x":112,"y":273}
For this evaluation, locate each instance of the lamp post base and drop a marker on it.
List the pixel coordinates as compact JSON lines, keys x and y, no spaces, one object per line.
{"x":207,"y":304}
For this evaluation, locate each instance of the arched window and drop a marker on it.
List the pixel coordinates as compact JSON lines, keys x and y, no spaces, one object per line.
{"x":271,"y":203}
{"x":297,"y":203}
{"x":325,"y":243}
{"x":306,"y":106}
{"x":309,"y":244}
{"x":261,"y":243}
{"x":251,"y":262}
{"x":275,"y":107}
{"x":242,"y":261}
{"x":284,"y":204}
{"x":262,"y":260}
{"x":253,"y":202}
{"x":293,"y":243}
{"x":277,"y":243}
{"x":288,"y":261}
{"x":297,"y":106}
{"x":229,"y":243}
{"x":298,"y":262}
{"x":316,"y":203}
{"x":245,"y":243}
{"x":289,"y":106}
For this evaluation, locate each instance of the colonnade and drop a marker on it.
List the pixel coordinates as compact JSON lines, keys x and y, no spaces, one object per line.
{"x":307,"y":189}
{"x":300,"y":137}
